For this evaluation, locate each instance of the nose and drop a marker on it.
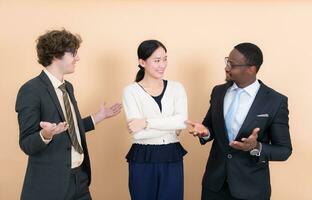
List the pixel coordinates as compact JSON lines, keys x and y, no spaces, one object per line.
{"x":77,"y":58}
{"x":227,"y":68}
{"x":163,"y":64}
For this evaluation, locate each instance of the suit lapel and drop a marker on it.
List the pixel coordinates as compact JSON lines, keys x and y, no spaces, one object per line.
{"x":52,"y":93}
{"x":220,"y":109}
{"x":256,"y":107}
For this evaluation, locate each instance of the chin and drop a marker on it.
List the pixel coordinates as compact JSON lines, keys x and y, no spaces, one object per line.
{"x":228,"y":78}
{"x":159,"y":76}
{"x":70,"y":71}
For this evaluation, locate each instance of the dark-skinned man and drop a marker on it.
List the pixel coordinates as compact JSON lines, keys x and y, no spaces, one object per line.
{"x":248,"y":124}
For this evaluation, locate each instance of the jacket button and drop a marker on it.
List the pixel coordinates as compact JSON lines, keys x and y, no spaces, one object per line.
{"x":68,"y":148}
{"x":229,"y":156}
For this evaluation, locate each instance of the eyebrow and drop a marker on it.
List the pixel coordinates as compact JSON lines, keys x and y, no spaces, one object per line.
{"x":159,"y":57}
{"x":232,"y":61}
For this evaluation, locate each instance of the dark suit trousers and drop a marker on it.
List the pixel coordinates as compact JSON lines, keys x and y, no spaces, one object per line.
{"x":78,"y":185}
{"x":223,"y":194}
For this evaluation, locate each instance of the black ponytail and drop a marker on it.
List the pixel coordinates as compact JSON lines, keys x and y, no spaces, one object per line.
{"x":140,"y":74}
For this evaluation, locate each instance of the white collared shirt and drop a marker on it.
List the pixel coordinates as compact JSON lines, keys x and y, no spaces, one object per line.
{"x":77,"y":158}
{"x":246,"y":100}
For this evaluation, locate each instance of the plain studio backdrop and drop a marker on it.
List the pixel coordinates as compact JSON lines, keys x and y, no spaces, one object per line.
{"x":198,"y":35}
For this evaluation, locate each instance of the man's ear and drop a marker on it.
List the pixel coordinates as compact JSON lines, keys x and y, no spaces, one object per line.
{"x":252,"y":70}
{"x":54,"y":59}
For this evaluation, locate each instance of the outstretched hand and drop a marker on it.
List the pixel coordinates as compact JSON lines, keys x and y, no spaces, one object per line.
{"x":247,"y":144}
{"x":51,"y":129}
{"x":106,"y":112}
{"x":197,"y":129}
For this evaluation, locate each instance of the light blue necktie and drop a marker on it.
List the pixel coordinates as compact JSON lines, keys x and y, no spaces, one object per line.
{"x":230,"y":115}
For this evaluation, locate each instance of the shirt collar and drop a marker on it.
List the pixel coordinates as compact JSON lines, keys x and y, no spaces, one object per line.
{"x":55,"y":82}
{"x":251,"y":89}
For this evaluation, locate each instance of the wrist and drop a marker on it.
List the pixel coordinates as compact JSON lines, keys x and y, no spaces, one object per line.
{"x":46,"y":135}
{"x":257,"y":150}
{"x":98,"y":117}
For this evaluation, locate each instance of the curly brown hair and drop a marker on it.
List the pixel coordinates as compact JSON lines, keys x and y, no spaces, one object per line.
{"x":54,"y":44}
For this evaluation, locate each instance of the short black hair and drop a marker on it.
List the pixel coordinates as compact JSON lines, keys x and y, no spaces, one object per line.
{"x":252,"y":53}
{"x":54,"y":44}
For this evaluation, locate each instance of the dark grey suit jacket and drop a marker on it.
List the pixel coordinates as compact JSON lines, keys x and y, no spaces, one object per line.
{"x":49,"y":165}
{"x":248,"y":176}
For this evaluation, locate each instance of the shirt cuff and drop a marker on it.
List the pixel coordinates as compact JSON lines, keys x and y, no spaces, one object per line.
{"x":44,"y":140}
{"x":93,"y":121}
{"x":206,"y":137}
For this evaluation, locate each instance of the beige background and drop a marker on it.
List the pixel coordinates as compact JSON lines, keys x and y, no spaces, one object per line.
{"x":198,"y":35}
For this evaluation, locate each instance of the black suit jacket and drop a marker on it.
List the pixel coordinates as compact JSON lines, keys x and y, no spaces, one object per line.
{"x":49,"y":165}
{"x":248,"y":176}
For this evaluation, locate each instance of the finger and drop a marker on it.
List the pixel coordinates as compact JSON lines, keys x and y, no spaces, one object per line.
{"x":237,"y":145}
{"x":43,"y":124}
{"x":62,"y":124}
{"x":255,"y":132}
{"x":57,"y":129}
{"x":195,"y":133}
{"x":117,"y":106}
{"x":190,"y":131}
{"x":116,"y":111}
{"x":190,"y":123}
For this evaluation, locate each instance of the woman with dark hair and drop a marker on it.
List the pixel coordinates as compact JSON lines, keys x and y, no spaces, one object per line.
{"x":156,"y":111}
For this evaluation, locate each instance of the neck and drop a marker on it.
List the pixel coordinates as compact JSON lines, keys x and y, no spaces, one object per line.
{"x":246,"y":82}
{"x":150,"y":81}
{"x":54,"y":70}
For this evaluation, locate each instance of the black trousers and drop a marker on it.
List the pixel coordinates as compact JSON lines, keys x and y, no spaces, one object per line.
{"x":78,"y":188}
{"x":223,"y":194}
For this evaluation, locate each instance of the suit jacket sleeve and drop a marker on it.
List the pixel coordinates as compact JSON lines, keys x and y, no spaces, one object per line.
{"x":279,"y":148}
{"x":88,"y":123}
{"x":28,"y":109}
{"x":207,"y":121}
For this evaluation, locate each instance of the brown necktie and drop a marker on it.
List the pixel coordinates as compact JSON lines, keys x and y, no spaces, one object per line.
{"x":70,"y":121}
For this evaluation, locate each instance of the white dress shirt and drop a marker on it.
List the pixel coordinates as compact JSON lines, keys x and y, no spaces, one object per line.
{"x":246,"y":99}
{"x":77,"y":158}
{"x":162,"y":126}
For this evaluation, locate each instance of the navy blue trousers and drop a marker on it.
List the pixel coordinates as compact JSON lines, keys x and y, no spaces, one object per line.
{"x":156,"y":181}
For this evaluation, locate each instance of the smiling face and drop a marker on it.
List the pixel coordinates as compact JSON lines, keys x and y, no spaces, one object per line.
{"x":237,"y":69}
{"x":66,"y":64}
{"x":156,"y":64}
